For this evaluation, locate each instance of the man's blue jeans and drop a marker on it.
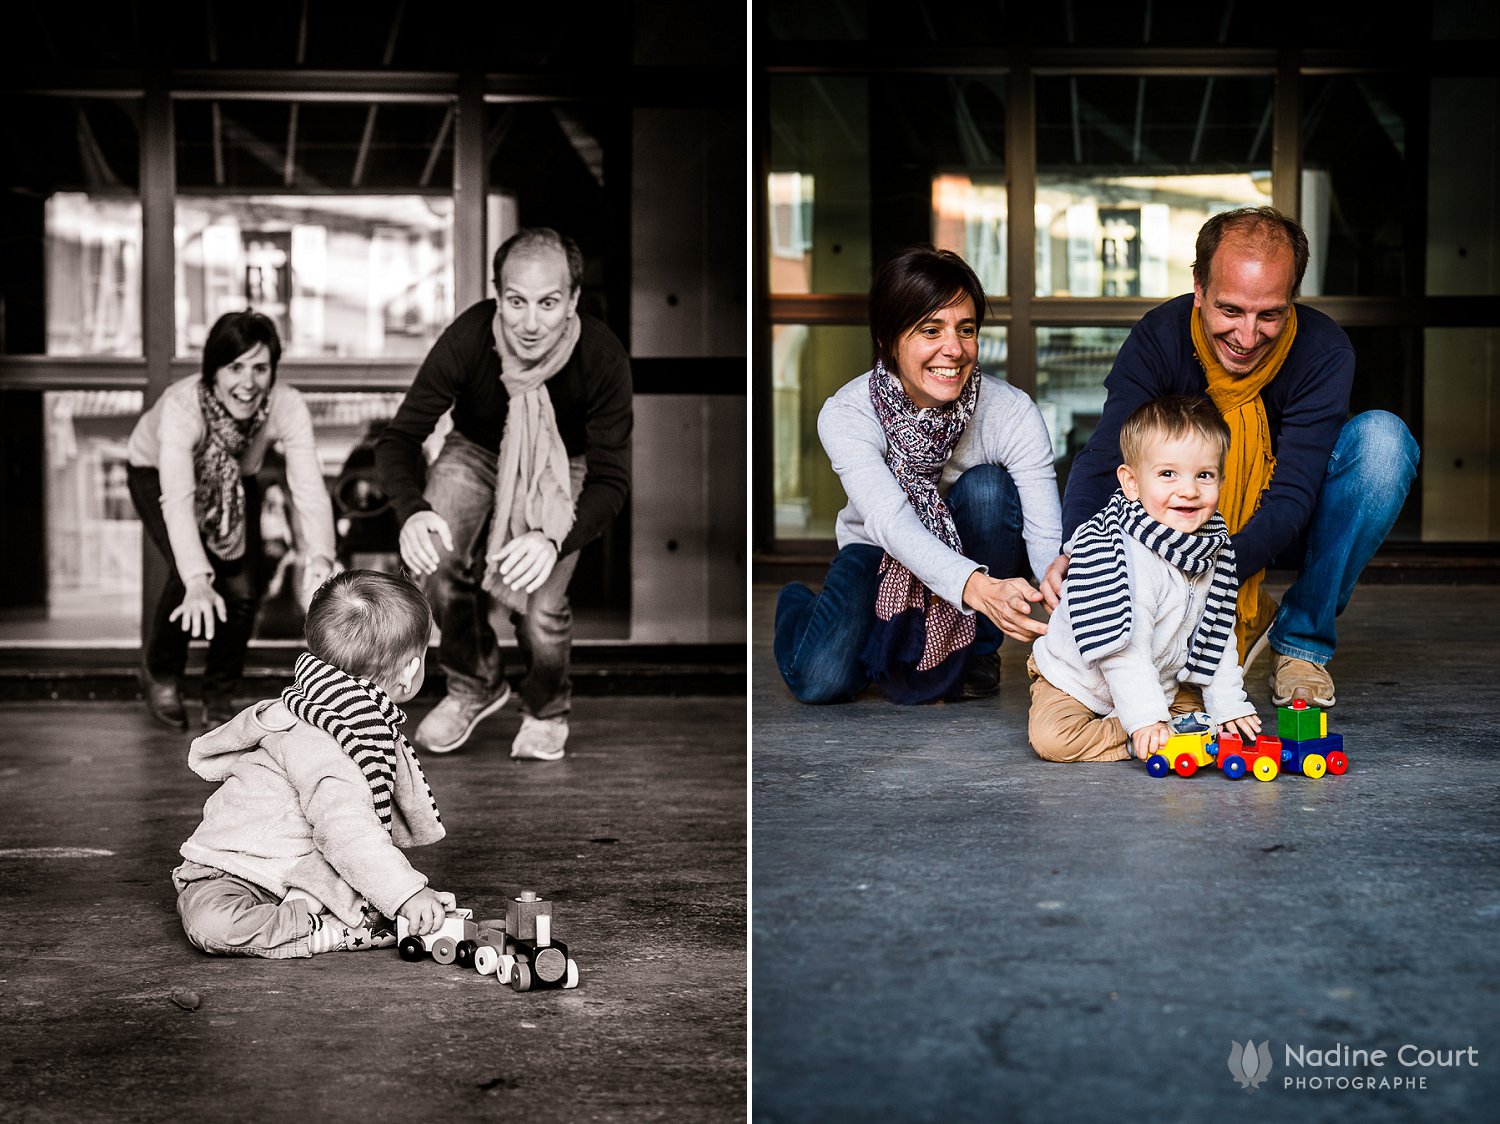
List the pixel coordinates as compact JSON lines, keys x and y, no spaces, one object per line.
{"x":819,"y":637}
{"x":1369,"y":474}
{"x":461,"y":488}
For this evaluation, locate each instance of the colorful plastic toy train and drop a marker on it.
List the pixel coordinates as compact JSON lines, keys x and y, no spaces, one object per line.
{"x":1302,"y":744}
{"x":518,"y":949}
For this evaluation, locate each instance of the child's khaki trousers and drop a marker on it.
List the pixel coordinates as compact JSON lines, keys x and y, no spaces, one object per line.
{"x":1063,"y":729}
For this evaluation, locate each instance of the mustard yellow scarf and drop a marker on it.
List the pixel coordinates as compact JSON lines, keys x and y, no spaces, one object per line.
{"x":1250,"y":462}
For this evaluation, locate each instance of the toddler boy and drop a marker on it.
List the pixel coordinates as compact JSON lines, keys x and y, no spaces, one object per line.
{"x":299,"y":851}
{"x":1145,"y":626}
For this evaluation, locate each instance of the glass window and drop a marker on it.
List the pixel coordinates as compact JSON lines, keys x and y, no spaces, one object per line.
{"x":70,"y":273}
{"x":1360,"y":203}
{"x":861,"y":169}
{"x":1129,"y":169}
{"x":810,"y":363}
{"x":93,"y":533}
{"x":282,"y":207}
{"x":94,"y":536}
{"x":1463,"y":253}
{"x":362,"y":276}
{"x":365,"y":529}
{"x":548,"y":167}
{"x":1071,"y":365}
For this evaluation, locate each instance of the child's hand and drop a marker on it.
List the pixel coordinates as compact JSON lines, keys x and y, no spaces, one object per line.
{"x":424,"y":912}
{"x":1149,"y":739}
{"x":1247,"y":727}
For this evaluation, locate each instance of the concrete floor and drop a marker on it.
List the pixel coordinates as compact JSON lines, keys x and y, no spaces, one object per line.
{"x":946,"y":928}
{"x":638,"y":836}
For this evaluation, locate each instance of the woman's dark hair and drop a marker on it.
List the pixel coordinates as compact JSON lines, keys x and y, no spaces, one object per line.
{"x":235,"y":333}
{"x":912,"y":285}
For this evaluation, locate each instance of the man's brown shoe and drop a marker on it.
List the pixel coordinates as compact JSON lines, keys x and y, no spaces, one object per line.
{"x":1293,"y":679}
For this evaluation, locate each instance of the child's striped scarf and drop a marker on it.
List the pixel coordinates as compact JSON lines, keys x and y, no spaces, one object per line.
{"x":1098,"y":590}
{"x":361,"y":718}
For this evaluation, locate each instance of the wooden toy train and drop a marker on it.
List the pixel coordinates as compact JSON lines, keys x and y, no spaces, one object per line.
{"x":518,"y":949}
{"x":1302,"y":744}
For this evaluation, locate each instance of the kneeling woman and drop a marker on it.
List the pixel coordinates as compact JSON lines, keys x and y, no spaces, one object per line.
{"x":193,"y":459}
{"x":952,"y":497}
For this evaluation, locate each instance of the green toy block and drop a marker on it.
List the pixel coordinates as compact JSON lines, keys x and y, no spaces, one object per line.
{"x":1301,"y":723}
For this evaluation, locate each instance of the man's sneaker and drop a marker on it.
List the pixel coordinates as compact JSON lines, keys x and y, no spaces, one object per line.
{"x":1293,"y":679}
{"x":982,"y":676}
{"x":1260,"y":636}
{"x":163,"y":700}
{"x":541,"y":739}
{"x":449,"y":724}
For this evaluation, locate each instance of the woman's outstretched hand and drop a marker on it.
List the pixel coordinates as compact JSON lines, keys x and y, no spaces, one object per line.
{"x":200,"y":606}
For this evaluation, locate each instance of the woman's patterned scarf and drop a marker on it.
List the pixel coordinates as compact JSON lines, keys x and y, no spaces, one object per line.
{"x":919,"y":645}
{"x":361,"y":718}
{"x":1098,"y":590}
{"x":219,"y":498}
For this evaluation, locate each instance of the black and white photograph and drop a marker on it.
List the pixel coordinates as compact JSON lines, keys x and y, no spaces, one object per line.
{"x":374,"y":391}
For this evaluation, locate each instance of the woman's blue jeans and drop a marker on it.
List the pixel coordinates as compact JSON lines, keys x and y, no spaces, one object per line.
{"x":819,"y":636}
{"x":1369,"y":474}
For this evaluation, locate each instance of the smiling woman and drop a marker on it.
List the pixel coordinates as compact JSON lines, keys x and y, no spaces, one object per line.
{"x":952,"y":494}
{"x":193,"y":459}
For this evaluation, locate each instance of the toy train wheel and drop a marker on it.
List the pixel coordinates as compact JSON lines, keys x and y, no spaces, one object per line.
{"x":520,"y":977}
{"x":1157,"y":765}
{"x":1314,"y":765}
{"x":1266,"y":769}
{"x":1185,"y":765}
{"x":445,"y":950}
{"x":486,"y":959}
{"x":1337,"y":763}
{"x":1234,"y":766}
{"x":572,"y":979}
{"x":549,"y":965}
{"x":411,"y":948}
{"x":463,"y":955}
{"x":505,"y":968}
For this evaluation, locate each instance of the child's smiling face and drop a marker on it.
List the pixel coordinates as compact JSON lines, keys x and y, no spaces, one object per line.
{"x":1177,"y":481}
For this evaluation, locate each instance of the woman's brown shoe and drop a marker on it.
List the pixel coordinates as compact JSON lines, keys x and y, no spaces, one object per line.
{"x":163,"y":701}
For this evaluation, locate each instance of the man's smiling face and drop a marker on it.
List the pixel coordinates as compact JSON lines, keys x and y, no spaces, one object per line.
{"x":1246,"y":302}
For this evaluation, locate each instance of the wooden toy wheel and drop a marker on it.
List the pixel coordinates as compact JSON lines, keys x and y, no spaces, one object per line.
{"x":411,"y":948}
{"x":463,"y":955}
{"x":1157,"y":765}
{"x":572,"y":977}
{"x":486,"y":959}
{"x":1185,"y":765}
{"x":1266,"y":769}
{"x":445,"y":950}
{"x":1314,"y":765}
{"x":1337,"y":763}
{"x":550,"y":966}
{"x":1234,"y":766}
{"x":520,"y":977}
{"x":505,"y":968}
